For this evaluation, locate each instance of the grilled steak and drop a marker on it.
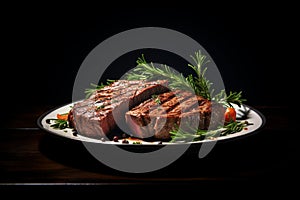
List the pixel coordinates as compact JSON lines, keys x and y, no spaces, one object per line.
{"x":157,"y":116}
{"x":94,"y":117}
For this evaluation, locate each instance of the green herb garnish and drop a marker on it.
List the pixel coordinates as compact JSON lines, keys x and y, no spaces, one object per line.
{"x":137,"y":142}
{"x":156,"y":99}
{"x":146,"y":71}
{"x":228,"y":100}
{"x":89,"y":91}
{"x":178,"y":135}
{"x":100,"y":107}
{"x":59,"y":123}
{"x":198,"y":84}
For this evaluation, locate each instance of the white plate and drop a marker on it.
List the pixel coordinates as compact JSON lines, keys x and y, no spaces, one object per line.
{"x":254,"y":117}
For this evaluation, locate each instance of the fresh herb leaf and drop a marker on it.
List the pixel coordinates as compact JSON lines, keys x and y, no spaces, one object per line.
{"x":89,"y":91}
{"x":59,"y":123}
{"x":156,"y":99}
{"x":137,"y":142}
{"x":100,"y":107}
{"x":147,"y":71}
{"x":228,"y":100}
{"x":198,"y":83}
{"x":178,"y":135}
{"x":234,"y":127}
{"x":94,"y":87}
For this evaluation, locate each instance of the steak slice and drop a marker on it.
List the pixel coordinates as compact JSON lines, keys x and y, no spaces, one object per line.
{"x":157,"y":116}
{"x":94,"y":117}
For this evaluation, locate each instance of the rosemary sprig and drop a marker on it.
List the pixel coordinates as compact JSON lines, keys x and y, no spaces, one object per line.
{"x":234,"y":127}
{"x":89,"y":91}
{"x":198,"y":83}
{"x":94,"y":87}
{"x":178,"y":135}
{"x":147,"y":71}
{"x":58,"y":123}
{"x":228,"y":100}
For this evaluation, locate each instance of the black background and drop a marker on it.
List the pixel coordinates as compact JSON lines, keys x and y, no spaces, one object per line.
{"x":45,"y":48}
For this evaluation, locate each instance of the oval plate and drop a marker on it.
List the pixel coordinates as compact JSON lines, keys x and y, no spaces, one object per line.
{"x":254,"y":117}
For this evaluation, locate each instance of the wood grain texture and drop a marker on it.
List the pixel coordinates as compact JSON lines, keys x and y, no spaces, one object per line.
{"x":33,"y":157}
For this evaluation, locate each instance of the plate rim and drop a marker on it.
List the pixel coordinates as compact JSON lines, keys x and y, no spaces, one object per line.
{"x":258,"y":129}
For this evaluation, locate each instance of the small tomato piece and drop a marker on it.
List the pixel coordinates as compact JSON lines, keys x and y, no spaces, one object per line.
{"x":230,"y":115}
{"x":62,"y":116}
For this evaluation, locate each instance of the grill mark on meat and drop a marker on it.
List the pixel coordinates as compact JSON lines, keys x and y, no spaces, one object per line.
{"x":93,"y":117}
{"x":117,"y":86}
{"x":150,"y":119}
{"x":174,"y":104}
{"x":185,"y":105}
{"x":160,"y":116}
{"x":118,"y":96}
{"x":115,"y":96}
{"x":168,"y":101}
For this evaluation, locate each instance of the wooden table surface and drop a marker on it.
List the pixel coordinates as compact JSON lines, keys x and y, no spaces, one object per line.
{"x":30,"y":156}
